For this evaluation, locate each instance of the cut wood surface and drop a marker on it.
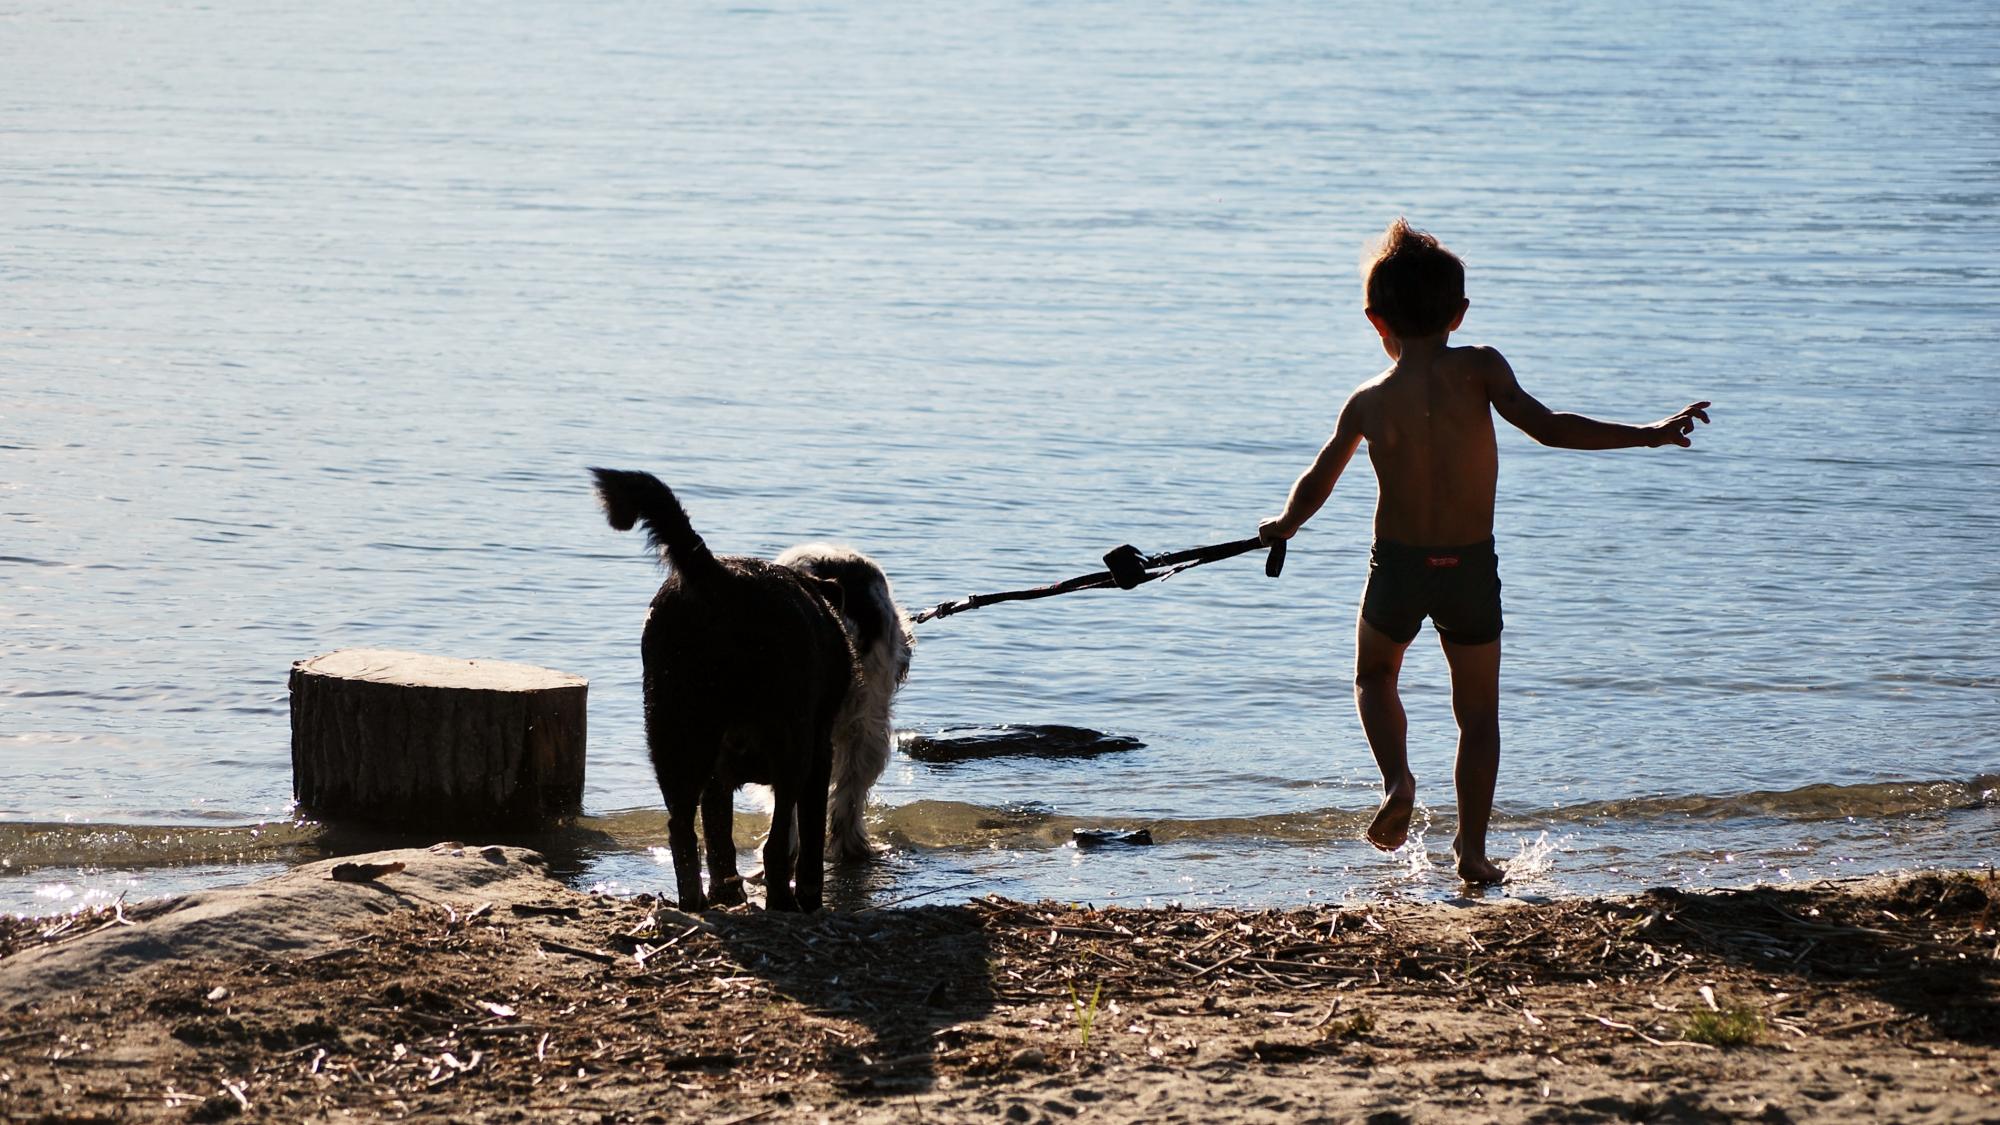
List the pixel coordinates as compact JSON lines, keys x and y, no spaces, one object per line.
{"x":434,"y":742}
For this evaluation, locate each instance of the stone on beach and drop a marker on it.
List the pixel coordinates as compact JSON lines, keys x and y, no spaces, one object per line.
{"x":302,"y":912}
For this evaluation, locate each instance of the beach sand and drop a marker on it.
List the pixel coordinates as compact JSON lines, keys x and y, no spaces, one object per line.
{"x":470,"y":986}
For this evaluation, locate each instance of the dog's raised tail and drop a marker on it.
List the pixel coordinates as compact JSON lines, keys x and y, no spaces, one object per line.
{"x":633,"y":497}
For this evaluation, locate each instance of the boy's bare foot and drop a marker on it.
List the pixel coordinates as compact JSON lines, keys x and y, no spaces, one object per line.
{"x":1391,"y":827}
{"x":1481,"y":871}
{"x":1477,"y":868}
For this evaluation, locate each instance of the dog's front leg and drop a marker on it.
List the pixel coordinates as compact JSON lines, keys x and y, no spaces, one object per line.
{"x":860,"y":754}
{"x":681,"y":802}
{"x":718,"y":823}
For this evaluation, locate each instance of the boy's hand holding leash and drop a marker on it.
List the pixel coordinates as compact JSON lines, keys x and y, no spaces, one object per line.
{"x":1273,"y":531}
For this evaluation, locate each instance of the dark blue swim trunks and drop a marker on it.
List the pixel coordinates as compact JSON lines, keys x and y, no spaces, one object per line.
{"x":1458,"y":588}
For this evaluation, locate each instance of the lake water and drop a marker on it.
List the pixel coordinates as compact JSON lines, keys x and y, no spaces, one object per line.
{"x":314,"y":315}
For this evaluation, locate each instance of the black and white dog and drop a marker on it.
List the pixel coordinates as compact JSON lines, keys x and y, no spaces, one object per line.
{"x":777,"y":674}
{"x":882,"y":640}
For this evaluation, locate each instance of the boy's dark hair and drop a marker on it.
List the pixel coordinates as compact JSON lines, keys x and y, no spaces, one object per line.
{"x":1413,"y":283}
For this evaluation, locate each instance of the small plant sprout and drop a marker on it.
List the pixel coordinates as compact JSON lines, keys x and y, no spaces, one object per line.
{"x":1734,"y":1026}
{"x":1355,"y":1026}
{"x":1086,"y":1014}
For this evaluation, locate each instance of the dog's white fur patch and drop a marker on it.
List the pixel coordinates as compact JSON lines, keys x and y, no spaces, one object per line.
{"x":862,"y":733}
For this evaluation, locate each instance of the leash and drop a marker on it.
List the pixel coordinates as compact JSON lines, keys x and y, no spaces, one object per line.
{"x":1125,"y":568}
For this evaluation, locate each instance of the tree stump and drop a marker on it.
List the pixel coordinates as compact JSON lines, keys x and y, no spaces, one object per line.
{"x":426,"y":741}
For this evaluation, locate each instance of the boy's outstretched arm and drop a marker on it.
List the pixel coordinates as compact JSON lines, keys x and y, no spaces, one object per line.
{"x":1574,"y":431}
{"x":1312,"y":488}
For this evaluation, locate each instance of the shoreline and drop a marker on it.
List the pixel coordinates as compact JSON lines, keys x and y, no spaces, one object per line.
{"x":472,"y":984}
{"x":60,"y":867}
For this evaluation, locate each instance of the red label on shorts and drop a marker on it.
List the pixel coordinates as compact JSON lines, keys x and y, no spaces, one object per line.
{"x":1443,"y":560}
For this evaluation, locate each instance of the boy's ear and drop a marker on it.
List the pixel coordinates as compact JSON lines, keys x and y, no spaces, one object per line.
{"x":1464,"y":303}
{"x":1375,"y":318}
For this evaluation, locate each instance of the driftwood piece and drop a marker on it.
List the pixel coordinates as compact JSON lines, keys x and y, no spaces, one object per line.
{"x":362,"y":872}
{"x":430,"y":742}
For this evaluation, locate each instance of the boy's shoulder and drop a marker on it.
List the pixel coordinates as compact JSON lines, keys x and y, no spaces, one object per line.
{"x":1483,"y":364}
{"x":1480,"y":359}
{"x":1372,"y":383}
{"x":1484,"y":355}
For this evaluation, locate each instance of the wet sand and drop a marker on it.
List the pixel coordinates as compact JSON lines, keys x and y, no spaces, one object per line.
{"x":470,"y":986}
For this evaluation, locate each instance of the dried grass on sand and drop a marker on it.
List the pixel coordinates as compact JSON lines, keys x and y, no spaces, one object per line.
{"x":1856,"y":1000}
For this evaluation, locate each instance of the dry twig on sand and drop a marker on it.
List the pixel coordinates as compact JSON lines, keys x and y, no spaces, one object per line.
{"x":604,"y":1005}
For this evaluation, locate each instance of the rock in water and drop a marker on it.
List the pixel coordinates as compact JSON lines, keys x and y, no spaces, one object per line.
{"x":1099,"y":837}
{"x":1046,"y":740}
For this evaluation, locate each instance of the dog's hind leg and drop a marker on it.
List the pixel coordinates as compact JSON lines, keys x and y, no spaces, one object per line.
{"x":811,"y":873}
{"x":682,"y":799}
{"x":682,"y":761}
{"x":778,"y":847}
{"x":718,"y":822}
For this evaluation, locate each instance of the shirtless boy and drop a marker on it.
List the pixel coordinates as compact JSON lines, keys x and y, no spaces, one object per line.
{"x":1428,"y":423}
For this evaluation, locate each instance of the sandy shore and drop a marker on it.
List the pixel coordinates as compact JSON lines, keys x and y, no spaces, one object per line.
{"x":470,"y":986}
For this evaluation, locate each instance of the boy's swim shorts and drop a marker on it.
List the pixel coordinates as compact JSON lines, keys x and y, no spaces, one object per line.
{"x":1458,"y":588}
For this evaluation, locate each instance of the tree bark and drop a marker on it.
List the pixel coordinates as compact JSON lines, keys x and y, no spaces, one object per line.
{"x":429,"y":742}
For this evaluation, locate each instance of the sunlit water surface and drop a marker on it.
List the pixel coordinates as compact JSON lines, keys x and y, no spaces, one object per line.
{"x":315,"y":314}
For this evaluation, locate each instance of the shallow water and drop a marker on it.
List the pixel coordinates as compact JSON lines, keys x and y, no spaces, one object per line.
{"x":316,"y":315}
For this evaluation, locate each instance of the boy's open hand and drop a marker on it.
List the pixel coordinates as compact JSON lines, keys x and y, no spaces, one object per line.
{"x":1675,"y":430}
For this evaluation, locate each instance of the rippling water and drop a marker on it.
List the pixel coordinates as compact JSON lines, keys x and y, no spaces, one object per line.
{"x":314,"y":315}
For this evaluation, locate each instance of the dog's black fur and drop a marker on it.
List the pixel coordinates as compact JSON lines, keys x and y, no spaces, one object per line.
{"x":747,"y":665}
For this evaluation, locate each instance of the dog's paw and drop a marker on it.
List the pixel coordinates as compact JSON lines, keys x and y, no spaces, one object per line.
{"x":728,"y":893}
{"x":854,"y":849}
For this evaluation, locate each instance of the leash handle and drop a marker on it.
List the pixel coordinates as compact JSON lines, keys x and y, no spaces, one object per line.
{"x":1274,"y":564}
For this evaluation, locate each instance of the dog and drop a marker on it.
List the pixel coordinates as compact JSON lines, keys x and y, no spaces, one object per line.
{"x":748,"y":668}
{"x":881,"y":634}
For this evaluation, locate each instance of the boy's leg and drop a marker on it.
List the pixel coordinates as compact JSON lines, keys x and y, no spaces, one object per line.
{"x":1378,"y":660}
{"x":1475,"y":703}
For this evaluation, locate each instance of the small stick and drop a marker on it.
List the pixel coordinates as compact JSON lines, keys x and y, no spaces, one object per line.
{"x":573,"y":951}
{"x":925,"y":894}
{"x":1650,"y":1039}
{"x":1863,"y":1025}
{"x":1226,"y":960}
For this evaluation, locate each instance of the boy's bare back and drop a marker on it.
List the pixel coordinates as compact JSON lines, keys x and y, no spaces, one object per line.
{"x":1430,"y":441}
